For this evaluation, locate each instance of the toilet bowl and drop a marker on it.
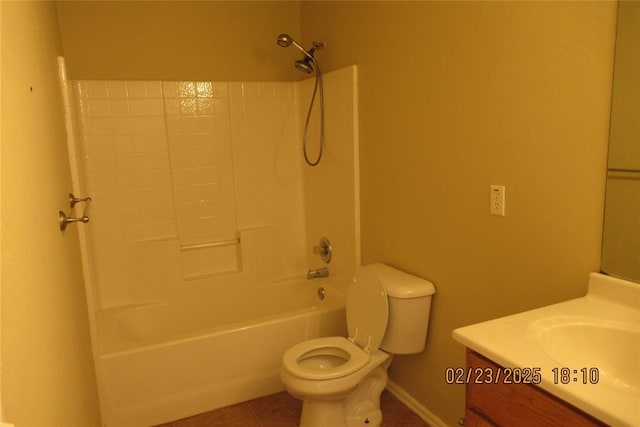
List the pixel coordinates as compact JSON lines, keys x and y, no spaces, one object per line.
{"x":330,"y":367}
{"x":340,"y":379}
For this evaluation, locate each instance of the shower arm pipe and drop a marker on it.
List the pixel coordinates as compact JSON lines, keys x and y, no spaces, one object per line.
{"x":305,"y":51}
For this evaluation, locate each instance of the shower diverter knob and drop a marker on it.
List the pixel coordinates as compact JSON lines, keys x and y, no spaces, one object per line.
{"x":324,"y":250}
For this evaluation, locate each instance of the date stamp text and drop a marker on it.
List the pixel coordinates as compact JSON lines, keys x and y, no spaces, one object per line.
{"x":493,"y":375}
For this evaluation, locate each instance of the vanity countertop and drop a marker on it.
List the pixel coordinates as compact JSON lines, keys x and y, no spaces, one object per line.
{"x":587,"y":349}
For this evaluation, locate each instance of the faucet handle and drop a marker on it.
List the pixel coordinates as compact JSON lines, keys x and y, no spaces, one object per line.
{"x":324,"y":250}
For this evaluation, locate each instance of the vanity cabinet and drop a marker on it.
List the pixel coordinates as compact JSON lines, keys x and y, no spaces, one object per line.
{"x":522,"y":405}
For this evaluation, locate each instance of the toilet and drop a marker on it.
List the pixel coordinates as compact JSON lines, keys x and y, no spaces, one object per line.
{"x":339,"y":379}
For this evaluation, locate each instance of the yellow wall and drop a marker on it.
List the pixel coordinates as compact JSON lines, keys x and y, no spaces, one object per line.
{"x":47,"y":370}
{"x":179,"y":40}
{"x":454,"y":97}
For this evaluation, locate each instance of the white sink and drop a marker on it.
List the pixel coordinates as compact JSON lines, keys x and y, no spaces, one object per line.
{"x":605,"y":352}
{"x":587,"y":350}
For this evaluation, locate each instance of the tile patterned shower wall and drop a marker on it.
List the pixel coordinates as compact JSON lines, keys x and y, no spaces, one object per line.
{"x":123,"y":141}
{"x":268,"y":173}
{"x":199,"y":134}
{"x":178,"y":171}
{"x":171,"y":192}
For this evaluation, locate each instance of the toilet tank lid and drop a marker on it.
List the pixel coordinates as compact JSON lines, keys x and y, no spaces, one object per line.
{"x":399,"y":284}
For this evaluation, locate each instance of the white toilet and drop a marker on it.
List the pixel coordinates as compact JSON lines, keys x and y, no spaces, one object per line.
{"x":340,"y":379}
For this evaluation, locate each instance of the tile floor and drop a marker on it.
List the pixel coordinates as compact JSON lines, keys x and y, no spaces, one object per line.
{"x":282,"y":410}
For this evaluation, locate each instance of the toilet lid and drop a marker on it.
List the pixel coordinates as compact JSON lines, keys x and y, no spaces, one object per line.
{"x":367,"y":310}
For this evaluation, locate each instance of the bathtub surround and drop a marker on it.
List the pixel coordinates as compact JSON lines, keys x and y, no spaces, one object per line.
{"x":159,"y":159}
{"x":332,"y":188}
{"x":183,"y":174}
{"x":201,"y":211}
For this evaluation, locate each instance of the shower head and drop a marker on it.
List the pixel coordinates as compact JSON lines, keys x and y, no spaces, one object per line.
{"x":284,"y":40}
{"x":305,"y":65}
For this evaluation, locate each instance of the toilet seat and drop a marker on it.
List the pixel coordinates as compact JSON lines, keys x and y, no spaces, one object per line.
{"x":355,"y":358}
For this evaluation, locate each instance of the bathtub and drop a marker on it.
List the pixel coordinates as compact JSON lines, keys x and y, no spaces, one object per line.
{"x":164,"y":361}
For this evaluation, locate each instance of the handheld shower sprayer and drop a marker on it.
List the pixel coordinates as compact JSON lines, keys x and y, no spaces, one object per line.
{"x":308,"y":64}
{"x":285,"y":40}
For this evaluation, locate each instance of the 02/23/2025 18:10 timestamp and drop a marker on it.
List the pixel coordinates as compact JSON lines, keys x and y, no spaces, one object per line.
{"x":495,"y":375}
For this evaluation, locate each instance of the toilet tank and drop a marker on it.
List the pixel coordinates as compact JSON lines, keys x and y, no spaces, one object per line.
{"x":409,"y":306}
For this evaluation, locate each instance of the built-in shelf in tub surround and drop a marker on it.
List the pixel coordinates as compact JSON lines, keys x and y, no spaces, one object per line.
{"x":210,"y":258}
{"x":586,"y":350}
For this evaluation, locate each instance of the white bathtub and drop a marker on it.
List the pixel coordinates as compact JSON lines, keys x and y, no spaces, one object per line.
{"x":162,"y":362}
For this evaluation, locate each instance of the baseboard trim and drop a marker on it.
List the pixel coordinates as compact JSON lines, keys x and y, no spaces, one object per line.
{"x":415,"y":406}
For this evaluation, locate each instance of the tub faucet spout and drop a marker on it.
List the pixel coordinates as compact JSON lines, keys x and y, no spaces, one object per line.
{"x":318,"y":273}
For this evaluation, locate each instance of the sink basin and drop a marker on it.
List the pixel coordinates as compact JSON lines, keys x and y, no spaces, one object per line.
{"x":577,"y":342}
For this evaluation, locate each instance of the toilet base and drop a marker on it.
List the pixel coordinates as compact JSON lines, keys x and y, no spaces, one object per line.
{"x":360,"y":409}
{"x":323,"y":413}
